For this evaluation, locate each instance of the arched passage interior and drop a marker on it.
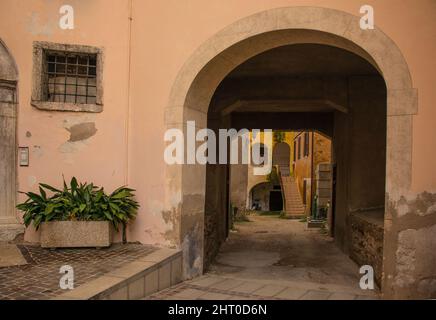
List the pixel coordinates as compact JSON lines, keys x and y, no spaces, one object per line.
{"x":293,"y":88}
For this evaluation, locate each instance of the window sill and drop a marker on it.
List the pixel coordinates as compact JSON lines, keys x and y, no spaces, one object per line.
{"x":64,"y":106}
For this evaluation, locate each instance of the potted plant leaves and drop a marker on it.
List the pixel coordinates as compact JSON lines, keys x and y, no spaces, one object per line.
{"x":79,"y":214}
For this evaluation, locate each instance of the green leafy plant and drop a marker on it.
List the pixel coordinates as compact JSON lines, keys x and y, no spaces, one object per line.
{"x":279,"y":136}
{"x":79,"y":202}
{"x":273,"y":176}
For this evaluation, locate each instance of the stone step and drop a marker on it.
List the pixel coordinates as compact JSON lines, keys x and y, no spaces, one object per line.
{"x":135,"y":280}
{"x":295,"y":211}
{"x":295,"y":208}
{"x":295,"y":205}
{"x":293,"y":202}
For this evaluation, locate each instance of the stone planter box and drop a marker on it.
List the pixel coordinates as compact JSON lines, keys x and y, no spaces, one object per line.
{"x":76,"y":234}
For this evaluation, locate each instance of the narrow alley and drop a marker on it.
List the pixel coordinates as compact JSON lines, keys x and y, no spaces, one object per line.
{"x":272,"y":258}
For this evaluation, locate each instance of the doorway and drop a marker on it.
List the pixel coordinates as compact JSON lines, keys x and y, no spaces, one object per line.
{"x":9,"y":226}
{"x":275,"y":200}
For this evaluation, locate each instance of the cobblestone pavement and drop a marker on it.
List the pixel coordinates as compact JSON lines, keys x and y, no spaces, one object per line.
{"x":39,"y":279}
{"x":273,"y":258}
{"x":210,"y":287}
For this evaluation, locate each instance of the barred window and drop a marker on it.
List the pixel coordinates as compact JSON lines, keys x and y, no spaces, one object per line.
{"x":70,"y":77}
{"x":295,"y":150}
{"x":67,"y":77}
{"x":299,"y":148}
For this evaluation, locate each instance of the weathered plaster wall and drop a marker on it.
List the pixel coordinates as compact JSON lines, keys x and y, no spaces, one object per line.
{"x":90,"y":146}
{"x":366,"y":241}
{"x":303,"y":168}
{"x":411,"y":221}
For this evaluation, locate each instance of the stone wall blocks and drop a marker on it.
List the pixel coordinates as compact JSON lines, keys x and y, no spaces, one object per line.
{"x":315,"y":18}
{"x":385,"y":53}
{"x":403,"y":101}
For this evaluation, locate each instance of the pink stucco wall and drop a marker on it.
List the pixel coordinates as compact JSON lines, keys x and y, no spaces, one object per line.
{"x":128,"y":146}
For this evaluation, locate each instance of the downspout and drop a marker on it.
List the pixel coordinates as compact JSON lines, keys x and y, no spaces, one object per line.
{"x":127,"y":120}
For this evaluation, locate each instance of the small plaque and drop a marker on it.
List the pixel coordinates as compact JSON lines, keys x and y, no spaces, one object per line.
{"x":23,"y":156}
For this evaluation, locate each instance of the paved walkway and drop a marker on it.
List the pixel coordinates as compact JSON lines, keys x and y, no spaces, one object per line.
{"x":273,"y":258}
{"x":39,"y":278}
{"x":10,"y":255}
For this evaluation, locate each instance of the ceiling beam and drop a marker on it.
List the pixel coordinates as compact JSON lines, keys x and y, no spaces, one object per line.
{"x":283,"y":105}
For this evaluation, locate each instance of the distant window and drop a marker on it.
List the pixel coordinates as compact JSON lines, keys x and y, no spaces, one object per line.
{"x":306,"y":144}
{"x":299,"y":148}
{"x":295,"y":150}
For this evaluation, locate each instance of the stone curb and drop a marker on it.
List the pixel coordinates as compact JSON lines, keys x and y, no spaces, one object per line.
{"x":135,"y":280}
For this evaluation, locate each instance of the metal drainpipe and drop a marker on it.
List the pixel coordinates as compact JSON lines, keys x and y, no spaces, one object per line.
{"x":128,"y":111}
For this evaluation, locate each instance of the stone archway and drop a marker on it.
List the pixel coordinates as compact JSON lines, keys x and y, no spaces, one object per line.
{"x":9,"y":226}
{"x":210,"y":63}
{"x":259,"y":196}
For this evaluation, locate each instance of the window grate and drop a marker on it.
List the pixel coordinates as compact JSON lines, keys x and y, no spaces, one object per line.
{"x":295,"y":150}
{"x":306,"y":144}
{"x":70,"y":77}
{"x":299,"y":148}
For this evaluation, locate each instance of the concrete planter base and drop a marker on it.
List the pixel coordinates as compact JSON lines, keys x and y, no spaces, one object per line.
{"x":76,"y":234}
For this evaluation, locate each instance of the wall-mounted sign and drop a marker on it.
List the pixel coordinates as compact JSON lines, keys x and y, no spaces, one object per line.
{"x":23,"y":156}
